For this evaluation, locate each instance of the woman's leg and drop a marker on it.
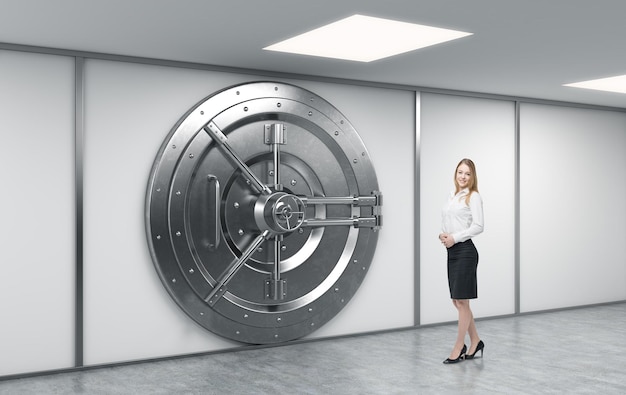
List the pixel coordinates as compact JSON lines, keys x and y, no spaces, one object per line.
{"x":473,"y":334}
{"x":466,"y":320}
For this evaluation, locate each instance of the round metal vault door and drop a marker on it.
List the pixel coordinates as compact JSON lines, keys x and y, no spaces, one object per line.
{"x":262,"y":212}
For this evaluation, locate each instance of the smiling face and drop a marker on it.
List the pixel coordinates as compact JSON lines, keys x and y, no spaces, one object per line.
{"x":463,"y":176}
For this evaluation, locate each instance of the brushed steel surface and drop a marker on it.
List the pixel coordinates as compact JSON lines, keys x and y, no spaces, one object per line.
{"x":231,"y":198}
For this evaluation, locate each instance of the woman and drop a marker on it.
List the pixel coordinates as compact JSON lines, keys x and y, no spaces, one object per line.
{"x":462,"y":219}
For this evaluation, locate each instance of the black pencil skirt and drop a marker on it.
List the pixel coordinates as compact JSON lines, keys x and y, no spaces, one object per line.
{"x":462,"y":264}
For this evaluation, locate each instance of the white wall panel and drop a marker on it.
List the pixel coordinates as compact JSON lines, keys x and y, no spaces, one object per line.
{"x":37,"y":233}
{"x":452,"y":128}
{"x":129,"y":111}
{"x":572,"y":207}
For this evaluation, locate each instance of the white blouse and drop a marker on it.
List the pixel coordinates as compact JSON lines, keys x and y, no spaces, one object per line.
{"x":460,"y":220}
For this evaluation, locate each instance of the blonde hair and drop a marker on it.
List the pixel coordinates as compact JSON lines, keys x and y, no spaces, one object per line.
{"x":472,"y":185}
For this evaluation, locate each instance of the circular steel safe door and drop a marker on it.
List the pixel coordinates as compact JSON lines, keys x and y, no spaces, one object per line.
{"x":262,"y":212}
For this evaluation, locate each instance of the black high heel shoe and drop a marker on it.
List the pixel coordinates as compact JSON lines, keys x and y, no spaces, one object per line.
{"x":480,"y":347}
{"x":460,"y":357}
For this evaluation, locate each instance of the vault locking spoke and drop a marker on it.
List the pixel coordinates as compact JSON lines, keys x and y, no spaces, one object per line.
{"x":220,"y":286}
{"x":275,"y":286}
{"x":220,"y":138}
{"x":275,"y":136}
{"x":375,"y":201}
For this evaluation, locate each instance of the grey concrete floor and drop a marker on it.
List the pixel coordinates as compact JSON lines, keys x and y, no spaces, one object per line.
{"x":578,"y":351}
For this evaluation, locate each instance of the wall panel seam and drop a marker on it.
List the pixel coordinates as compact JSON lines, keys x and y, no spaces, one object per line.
{"x":78,"y":142}
{"x":517,"y":218}
{"x":417,"y":207}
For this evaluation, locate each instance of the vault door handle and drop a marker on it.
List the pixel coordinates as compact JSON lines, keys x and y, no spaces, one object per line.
{"x":212,"y":213}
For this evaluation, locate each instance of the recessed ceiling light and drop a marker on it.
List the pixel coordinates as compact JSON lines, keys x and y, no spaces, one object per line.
{"x":365,"y":38}
{"x":611,"y":84}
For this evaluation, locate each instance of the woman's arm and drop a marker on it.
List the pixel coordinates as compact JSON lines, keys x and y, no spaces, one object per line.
{"x":477,"y":225}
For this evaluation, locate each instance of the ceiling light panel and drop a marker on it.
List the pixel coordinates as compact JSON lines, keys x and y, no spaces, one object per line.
{"x":364,"y":39}
{"x":610,"y":84}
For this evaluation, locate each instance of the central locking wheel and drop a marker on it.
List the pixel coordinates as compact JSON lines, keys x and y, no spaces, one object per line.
{"x":279,"y":213}
{"x":262,"y":212}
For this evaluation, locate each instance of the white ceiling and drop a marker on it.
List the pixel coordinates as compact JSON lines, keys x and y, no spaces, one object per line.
{"x":521,"y":48}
